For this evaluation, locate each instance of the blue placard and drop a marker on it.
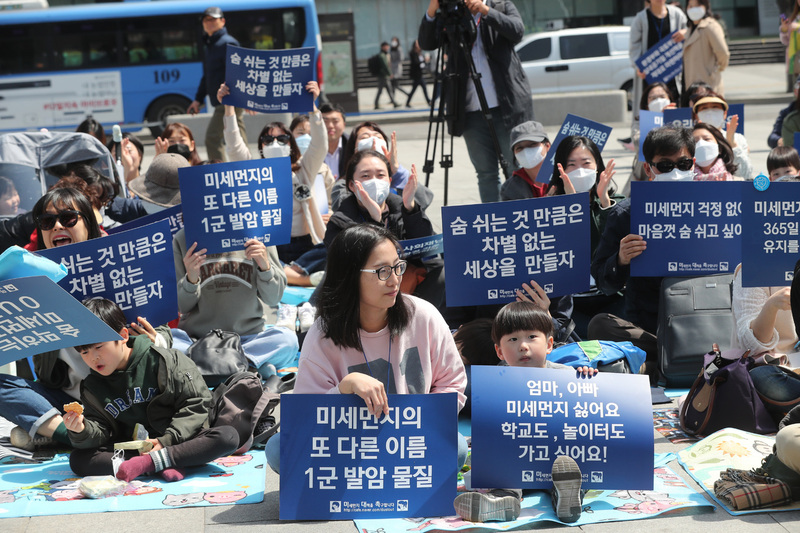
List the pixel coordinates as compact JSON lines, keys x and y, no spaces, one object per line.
{"x":679,"y":116}
{"x":663,"y":61}
{"x":648,"y":120}
{"x":422,"y":247}
{"x":573,"y":125}
{"x":135,"y":269}
{"x":269,"y":81}
{"x":173,"y":215}
{"x":736,"y":109}
{"x":772,"y":240}
{"x":492,"y":249}
{"x":523,"y":418}
{"x":37,"y":316}
{"x":227,"y":204}
{"x":339,"y":463}
{"x":691,"y":228}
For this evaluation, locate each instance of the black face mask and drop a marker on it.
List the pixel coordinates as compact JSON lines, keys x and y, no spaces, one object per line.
{"x":181,"y":149}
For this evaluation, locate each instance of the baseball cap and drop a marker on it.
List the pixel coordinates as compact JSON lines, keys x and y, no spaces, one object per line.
{"x":213,"y":12}
{"x":528,"y":131}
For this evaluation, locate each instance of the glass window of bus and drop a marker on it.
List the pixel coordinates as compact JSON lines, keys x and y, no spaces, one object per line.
{"x":85,"y":44}
{"x":24,"y":49}
{"x":148,"y":40}
{"x":268,"y":29}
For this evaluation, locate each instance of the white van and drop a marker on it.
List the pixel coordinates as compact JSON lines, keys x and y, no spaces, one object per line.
{"x":580,"y":59}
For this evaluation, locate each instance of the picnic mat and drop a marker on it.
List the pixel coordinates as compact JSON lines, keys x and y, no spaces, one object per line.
{"x":728,"y":448}
{"x":51,"y":488}
{"x":667,"y":422}
{"x":669,"y":493}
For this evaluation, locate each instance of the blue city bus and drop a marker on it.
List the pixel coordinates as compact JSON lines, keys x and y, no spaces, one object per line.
{"x":128,"y":63}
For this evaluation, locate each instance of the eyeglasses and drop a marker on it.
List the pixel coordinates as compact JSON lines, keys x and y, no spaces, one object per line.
{"x":67,"y":218}
{"x":385,"y":271}
{"x":664,"y":166}
{"x":283,"y":139}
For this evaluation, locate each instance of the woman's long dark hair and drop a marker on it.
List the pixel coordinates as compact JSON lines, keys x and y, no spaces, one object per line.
{"x":339,"y":304}
{"x":178,"y":126}
{"x":725,"y":150}
{"x":565,"y":147}
{"x":643,"y":103}
{"x":66,"y":198}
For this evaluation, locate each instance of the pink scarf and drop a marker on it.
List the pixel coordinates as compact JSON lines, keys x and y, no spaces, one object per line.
{"x":717,"y":172}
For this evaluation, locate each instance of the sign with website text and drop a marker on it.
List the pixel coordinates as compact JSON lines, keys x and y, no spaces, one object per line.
{"x":691,"y":228}
{"x":492,"y":249}
{"x":227,"y":204}
{"x":523,"y":418}
{"x":338,"y":462}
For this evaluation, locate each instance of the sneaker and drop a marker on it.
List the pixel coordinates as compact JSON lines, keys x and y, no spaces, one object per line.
{"x":486,"y":507}
{"x":306,"y":313}
{"x":316,"y":278}
{"x":566,"y":489}
{"x":287,"y":317}
{"x":21,"y":439}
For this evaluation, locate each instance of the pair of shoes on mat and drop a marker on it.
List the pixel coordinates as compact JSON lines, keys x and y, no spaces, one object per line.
{"x":20,"y":439}
{"x":495,"y":505}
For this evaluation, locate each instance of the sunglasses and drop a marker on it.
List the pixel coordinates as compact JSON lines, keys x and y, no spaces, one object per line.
{"x":67,"y":218}
{"x":385,"y":271}
{"x":664,"y":166}
{"x":267,"y":139}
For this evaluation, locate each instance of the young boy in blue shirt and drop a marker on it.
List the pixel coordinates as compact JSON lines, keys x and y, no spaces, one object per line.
{"x":523,"y":336}
{"x":132,"y":381}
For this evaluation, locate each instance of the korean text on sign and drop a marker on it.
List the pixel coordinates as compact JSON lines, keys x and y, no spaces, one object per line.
{"x":663,"y":61}
{"x":37,"y":316}
{"x":691,"y":228}
{"x":227,"y":204}
{"x":493,"y":248}
{"x":523,"y":418}
{"x":348,"y":464}
{"x":134,"y":269}
{"x":269,"y":81}
{"x":573,"y":125}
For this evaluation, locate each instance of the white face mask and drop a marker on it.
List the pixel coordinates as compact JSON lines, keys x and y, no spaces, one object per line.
{"x":787,"y":177}
{"x":675,"y":175}
{"x":377,"y":189}
{"x":530,"y":157}
{"x":275,"y":149}
{"x":705,"y":152}
{"x":696,"y":13}
{"x":583,"y":178}
{"x":372,"y":143}
{"x":715,"y":117}
{"x":302,"y":142}
{"x":658,"y":105}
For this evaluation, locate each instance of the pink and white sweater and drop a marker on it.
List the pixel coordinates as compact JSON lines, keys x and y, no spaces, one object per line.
{"x":423,"y":358}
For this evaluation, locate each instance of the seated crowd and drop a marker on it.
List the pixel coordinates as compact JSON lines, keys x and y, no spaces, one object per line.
{"x":373,"y":310}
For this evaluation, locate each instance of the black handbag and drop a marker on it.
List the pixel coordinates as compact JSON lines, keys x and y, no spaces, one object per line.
{"x":218,"y":354}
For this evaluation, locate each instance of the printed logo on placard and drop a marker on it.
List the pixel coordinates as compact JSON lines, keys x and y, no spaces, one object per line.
{"x":723,"y":265}
{"x":527,"y":476}
{"x":226,"y":243}
{"x":492,"y":295}
{"x":672,"y":266}
{"x":548,"y":288}
{"x":402,"y":505}
{"x":597,"y":477}
{"x":788,"y":275}
{"x":336,"y":507}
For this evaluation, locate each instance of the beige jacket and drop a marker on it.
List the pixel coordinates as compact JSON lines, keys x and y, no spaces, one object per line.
{"x":705,"y":54}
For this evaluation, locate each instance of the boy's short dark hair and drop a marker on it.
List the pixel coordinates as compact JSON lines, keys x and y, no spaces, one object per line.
{"x":519,"y":316}
{"x":108,"y":312}
{"x":324,"y":109}
{"x":667,"y":140}
{"x":783,"y":156}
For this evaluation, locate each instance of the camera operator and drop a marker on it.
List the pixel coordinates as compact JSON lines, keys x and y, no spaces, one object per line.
{"x":508,"y":95}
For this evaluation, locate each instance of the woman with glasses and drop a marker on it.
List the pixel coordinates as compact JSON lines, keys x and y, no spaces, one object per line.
{"x":371,"y":340}
{"x":368,"y":179}
{"x":276,"y":140}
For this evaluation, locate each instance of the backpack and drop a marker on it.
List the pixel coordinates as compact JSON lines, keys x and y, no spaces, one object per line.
{"x":374,"y":64}
{"x":242,"y":403}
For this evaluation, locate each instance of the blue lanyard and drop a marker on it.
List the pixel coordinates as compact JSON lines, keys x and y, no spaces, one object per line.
{"x":658,"y":21}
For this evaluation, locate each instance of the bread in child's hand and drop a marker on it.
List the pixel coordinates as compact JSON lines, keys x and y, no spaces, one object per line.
{"x":73,"y":407}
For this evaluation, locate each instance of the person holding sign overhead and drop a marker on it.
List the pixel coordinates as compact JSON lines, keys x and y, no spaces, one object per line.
{"x":650,"y":26}
{"x":276,"y":140}
{"x":669,"y":155}
{"x":64,"y":215}
{"x":371,"y":340}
